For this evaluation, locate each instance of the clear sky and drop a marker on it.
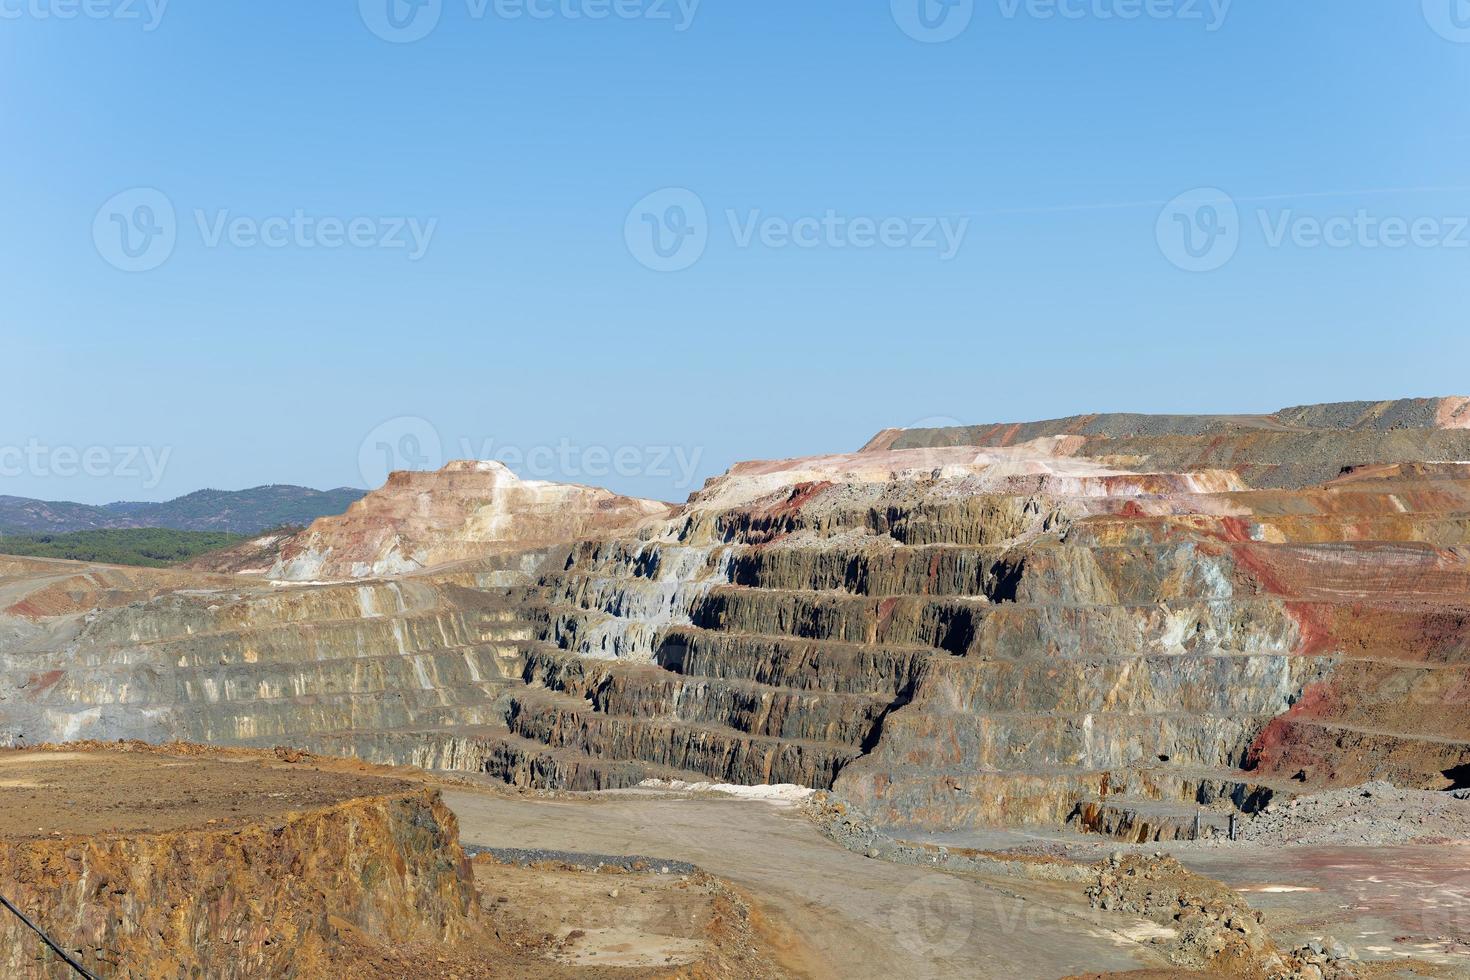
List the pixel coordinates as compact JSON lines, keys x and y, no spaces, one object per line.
{"x":634,"y":241}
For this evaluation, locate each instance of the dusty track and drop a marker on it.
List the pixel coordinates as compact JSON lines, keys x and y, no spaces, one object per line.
{"x":859,"y":917}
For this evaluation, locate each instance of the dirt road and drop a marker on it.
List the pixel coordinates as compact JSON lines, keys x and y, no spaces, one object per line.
{"x":859,"y":917}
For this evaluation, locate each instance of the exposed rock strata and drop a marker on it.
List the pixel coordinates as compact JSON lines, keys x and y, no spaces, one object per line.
{"x":1084,"y":619}
{"x":287,"y":896}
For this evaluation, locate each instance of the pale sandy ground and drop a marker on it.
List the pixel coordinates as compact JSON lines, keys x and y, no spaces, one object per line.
{"x":860,"y":918}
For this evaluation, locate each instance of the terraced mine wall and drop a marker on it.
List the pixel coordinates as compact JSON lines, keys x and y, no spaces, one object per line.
{"x":1114,"y":625}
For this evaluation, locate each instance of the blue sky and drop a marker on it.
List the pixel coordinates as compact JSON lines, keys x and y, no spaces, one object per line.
{"x":816,"y":152}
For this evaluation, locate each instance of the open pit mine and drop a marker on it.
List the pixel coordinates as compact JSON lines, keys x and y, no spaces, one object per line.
{"x":991,"y":649}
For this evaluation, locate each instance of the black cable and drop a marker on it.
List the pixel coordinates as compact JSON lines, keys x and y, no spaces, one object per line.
{"x":49,"y":941}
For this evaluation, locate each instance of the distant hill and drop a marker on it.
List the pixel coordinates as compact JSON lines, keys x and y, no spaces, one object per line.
{"x":233,"y":511}
{"x":149,"y":546}
{"x":21,"y":515}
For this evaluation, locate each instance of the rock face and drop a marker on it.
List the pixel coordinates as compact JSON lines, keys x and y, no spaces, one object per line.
{"x":191,"y":861}
{"x":466,"y":510}
{"x":1112,"y":620}
{"x":296,"y":893}
{"x":255,"y":556}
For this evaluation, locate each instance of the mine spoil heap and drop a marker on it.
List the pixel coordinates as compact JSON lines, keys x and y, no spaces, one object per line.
{"x":1113,"y":620}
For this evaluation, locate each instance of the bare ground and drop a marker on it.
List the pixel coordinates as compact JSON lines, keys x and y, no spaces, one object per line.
{"x":50,"y":793}
{"x":857,"y":917}
{"x":779,"y":898}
